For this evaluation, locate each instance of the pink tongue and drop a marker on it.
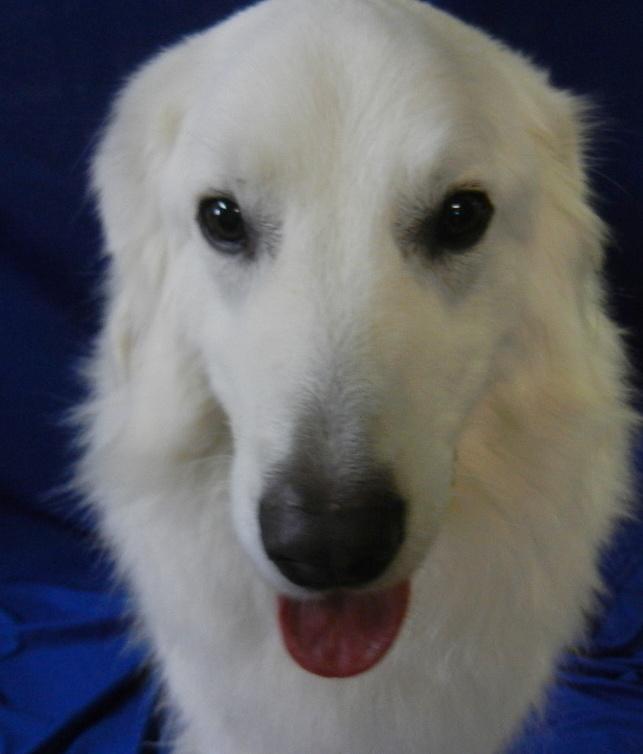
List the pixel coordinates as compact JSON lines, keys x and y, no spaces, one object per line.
{"x":345,"y":633}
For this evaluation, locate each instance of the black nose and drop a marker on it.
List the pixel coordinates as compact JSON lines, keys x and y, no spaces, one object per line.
{"x":331,"y":536}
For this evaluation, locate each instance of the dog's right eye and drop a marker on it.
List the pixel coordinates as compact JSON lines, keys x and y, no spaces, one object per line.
{"x":462,"y":220}
{"x":222,"y":224}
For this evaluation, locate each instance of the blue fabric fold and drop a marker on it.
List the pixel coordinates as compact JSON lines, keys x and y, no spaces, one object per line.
{"x":71,"y":679}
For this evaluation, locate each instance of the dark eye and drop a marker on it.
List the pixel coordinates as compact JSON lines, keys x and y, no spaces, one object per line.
{"x":462,"y":220}
{"x":222,"y":224}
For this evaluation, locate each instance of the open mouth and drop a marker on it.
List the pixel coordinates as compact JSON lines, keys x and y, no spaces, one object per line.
{"x":344,"y":633}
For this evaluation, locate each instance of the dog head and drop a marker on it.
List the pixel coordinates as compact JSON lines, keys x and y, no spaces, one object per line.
{"x":330,"y":243}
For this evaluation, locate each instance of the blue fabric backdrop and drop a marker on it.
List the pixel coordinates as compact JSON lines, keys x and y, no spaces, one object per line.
{"x":69,"y":682}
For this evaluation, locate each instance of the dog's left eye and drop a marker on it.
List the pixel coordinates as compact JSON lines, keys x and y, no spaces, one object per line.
{"x":222,"y":224}
{"x":461,"y":220}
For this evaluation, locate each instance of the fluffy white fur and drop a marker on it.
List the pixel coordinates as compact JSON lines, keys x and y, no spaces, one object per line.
{"x":492,"y":383}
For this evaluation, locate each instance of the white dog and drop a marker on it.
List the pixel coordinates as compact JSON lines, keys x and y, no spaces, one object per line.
{"x":359,"y":428}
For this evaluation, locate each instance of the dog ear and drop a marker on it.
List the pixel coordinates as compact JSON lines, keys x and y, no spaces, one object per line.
{"x":127,"y":173}
{"x":562,"y":128}
{"x":144,"y":371}
{"x":568,"y":329}
{"x":136,"y":144}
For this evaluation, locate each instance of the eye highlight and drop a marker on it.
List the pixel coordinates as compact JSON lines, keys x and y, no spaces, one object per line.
{"x":461,"y":220}
{"x":222,"y":224}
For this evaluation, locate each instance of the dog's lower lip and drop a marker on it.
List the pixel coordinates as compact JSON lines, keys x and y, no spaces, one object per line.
{"x":343,"y":633}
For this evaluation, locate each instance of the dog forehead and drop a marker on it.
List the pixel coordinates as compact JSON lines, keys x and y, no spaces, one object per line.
{"x":331,"y":87}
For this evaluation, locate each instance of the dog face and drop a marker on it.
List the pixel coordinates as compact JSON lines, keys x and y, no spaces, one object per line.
{"x":344,"y":234}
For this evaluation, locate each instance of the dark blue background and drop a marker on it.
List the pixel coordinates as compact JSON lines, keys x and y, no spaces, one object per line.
{"x":67,"y":683}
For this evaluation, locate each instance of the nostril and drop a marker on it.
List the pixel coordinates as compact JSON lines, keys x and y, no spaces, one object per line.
{"x":292,"y":533}
{"x":324,"y":547}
